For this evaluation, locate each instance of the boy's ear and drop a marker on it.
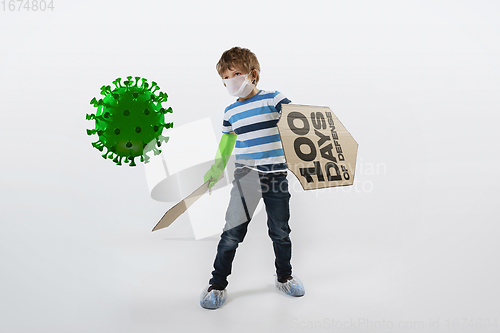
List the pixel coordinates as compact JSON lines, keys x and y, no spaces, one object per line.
{"x":254,"y":75}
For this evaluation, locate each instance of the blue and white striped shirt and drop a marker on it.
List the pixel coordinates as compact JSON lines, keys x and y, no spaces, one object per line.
{"x":254,"y":121}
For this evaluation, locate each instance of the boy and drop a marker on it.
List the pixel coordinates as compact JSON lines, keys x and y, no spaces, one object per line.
{"x":250,"y":124}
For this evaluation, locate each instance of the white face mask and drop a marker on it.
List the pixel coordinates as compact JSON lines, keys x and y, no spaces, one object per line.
{"x":239,"y":86}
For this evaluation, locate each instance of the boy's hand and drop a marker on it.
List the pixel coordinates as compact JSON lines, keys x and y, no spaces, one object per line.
{"x":226,"y":146}
{"x":214,"y":173}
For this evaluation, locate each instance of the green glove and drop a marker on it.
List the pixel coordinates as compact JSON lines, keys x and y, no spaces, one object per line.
{"x":226,"y":146}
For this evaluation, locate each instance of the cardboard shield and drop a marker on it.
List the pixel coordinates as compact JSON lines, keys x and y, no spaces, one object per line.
{"x":318,"y":149}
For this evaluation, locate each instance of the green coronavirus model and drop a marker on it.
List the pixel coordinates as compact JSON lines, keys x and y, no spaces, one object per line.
{"x":129,"y":120}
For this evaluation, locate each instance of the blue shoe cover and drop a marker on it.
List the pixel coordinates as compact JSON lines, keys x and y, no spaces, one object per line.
{"x":293,"y":287}
{"x":212,"y":299}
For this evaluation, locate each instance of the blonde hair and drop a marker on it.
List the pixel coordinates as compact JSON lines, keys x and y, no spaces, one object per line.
{"x":238,"y":56}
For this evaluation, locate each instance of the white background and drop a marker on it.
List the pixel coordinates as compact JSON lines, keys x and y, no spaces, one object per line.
{"x":417,"y":83}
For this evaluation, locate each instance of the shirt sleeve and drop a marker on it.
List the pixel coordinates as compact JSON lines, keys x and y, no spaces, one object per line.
{"x":279,"y":99}
{"x":226,"y":125}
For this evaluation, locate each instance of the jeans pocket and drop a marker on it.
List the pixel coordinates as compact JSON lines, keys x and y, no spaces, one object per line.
{"x":241,"y":172}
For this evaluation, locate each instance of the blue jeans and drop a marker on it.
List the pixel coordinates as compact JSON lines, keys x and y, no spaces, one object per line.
{"x":248,"y":187}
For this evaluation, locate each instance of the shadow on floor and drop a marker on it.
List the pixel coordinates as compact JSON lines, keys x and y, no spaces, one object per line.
{"x":249,"y":292}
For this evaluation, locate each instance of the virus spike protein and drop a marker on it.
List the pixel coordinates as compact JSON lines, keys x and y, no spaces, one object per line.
{"x":128,"y":118}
